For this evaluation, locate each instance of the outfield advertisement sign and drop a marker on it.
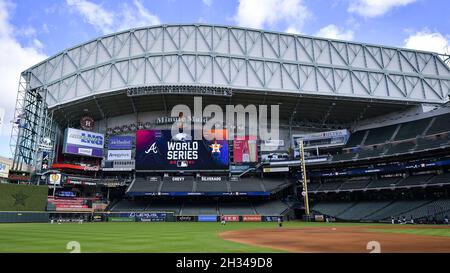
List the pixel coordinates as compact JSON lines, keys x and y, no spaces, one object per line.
{"x":4,"y":170}
{"x":186,"y":219}
{"x":251,"y":218}
{"x":207,"y":218}
{"x":119,"y":155}
{"x":231,"y":218}
{"x":120,"y":219}
{"x":120,"y":143}
{"x":270,"y":218}
{"x":150,"y":217}
{"x":245,"y":149}
{"x":158,"y":150}
{"x":83,"y":143}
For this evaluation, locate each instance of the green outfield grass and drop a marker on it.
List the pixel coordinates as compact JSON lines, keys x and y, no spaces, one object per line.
{"x":143,"y":237}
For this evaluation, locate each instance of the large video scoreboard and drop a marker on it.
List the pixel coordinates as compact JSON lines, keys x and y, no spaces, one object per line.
{"x":158,"y":150}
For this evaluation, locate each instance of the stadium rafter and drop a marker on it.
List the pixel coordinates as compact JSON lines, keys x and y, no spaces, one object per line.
{"x":226,"y":64}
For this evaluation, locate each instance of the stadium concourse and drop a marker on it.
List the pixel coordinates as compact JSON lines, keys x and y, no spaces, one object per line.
{"x":93,"y":127}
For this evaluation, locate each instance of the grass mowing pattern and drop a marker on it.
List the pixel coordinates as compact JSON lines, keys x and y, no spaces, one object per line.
{"x":418,"y":231}
{"x":140,"y":237}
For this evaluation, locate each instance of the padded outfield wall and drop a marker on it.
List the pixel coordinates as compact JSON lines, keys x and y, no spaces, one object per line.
{"x":23,"y":197}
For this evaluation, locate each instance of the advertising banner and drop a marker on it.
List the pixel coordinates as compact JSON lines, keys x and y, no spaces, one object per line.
{"x":158,"y":150}
{"x":276,"y":170}
{"x":120,"y":143}
{"x":54,"y":179}
{"x":319,"y":218}
{"x":119,"y":155}
{"x":207,"y":218}
{"x":270,"y":218}
{"x":251,"y":218}
{"x":211,"y":179}
{"x":179,"y":179}
{"x":4,"y":170}
{"x":83,"y":143}
{"x":231,"y":218}
{"x":120,"y":219}
{"x":185,"y":218}
{"x":150,"y":217}
{"x":245,"y":149}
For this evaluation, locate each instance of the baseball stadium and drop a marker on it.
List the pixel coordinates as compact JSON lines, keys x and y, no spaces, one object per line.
{"x":360,"y":160}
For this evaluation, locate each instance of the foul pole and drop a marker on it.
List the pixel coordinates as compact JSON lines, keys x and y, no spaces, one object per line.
{"x":304,"y":182}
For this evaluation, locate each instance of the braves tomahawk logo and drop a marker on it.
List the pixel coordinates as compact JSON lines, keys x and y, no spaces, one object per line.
{"x":152,"y":148}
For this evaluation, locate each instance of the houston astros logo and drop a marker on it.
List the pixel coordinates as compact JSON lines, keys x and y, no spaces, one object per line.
{"x":215,"y":147}
{"x":152,"y":148}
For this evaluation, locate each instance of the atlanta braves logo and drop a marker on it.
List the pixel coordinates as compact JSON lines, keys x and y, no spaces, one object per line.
{"x":152,"y":148}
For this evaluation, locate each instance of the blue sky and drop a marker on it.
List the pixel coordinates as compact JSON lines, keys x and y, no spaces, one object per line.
{"x":30,"y":31}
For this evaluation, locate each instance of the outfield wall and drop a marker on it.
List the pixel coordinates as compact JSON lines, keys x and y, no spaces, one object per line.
{"x":24,"y":217}
{"x":15,"y":197}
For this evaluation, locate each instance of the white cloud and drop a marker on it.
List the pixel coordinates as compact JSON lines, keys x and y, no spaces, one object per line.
{"x":136,"y":16}
{"x":108,"y":21}
{"x":93,"y":14}
{"x":428,"y":41}
{"x":374,"y":8}
{"x":333,"y":32}
{"x":207,"y":2}
{"x":14,"y":59}
{"x":263,"y":13}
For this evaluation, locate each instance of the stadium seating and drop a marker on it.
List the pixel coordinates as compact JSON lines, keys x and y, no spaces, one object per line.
{"x":414,"y":180}
{"x":401,"y":148}
{"x":209,"y":186}
{"x":383,"y":183}
{"x":271,"y":184}
{"x":397,"y":208}
{"x":380,"y":135}
{"x":440,"y":179}
{"x":355,"y":185}
{"x":426,"y":143}
{"x":441,"y":124}
{"x":344,"y":157}
{"x":129,"y":205}
{"x":362,"y":209}
{"x":172,"y":186}
{"x":355,"y":139}
{"x":144,"y":185}
{"x":199,"y":208}
{"x":68,"y":204}
{"x":165,"y":206}
{"x":384,"y":210}
{"x":332,"y":208}
{"x":439,"y":207}
{"x":412,"y":129}
{"x":330,"y":186}
{"x":236,"y":208}
{"x":368,"y":153}
{"x":203,"y":207}
{"x":246,"y":184}
{"x":313,"y":186}
{"x":270,"y":208}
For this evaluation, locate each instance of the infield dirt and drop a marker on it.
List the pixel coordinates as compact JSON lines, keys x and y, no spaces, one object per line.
{"x":341,"y":239}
